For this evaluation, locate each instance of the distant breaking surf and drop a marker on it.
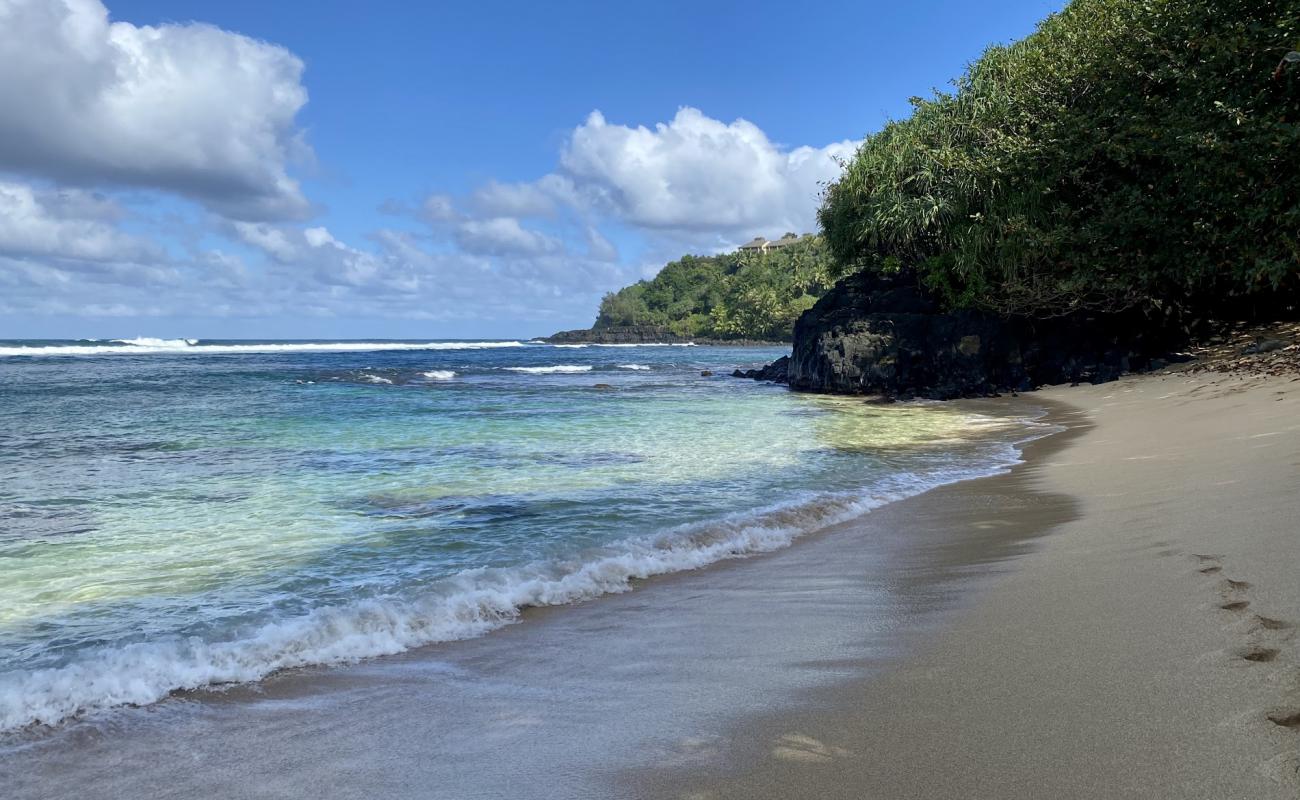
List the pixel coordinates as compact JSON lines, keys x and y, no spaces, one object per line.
{"x":143,"y":346}
{"x":560,"y":369}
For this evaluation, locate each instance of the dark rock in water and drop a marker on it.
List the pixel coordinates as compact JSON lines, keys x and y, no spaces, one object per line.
{"x":643,"y":334}
{"x":775,"y":372}
{"x":1263,"y":346}
{"x":704,"y":373}
{"x":626,"y":334}
{"x":877,"y":334}
{"x":602,"y":386}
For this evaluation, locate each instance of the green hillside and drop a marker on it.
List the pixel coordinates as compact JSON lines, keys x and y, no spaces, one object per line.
{"x":738,"y":295}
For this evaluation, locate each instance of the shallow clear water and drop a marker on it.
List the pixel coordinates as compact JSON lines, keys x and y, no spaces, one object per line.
{"x":174,"y":515}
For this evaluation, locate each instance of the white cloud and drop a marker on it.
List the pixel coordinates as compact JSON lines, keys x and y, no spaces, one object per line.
{"x":188,"y":108}
{"x":67,"y":224}
{"x":224,"y":270}
{"x":503,"y":236}
{"x":598,"y":247}
{"x":692,"y":184}
{"x":439,"y":208}
{"x":537,"y":199}
{"x":317,"y":252}
{"x":271,"y":239}
{"x":697,"y":173}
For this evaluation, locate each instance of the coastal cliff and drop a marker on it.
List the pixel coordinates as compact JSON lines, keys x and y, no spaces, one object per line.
{"x":881,"y":334}
{"x":1078,"y":202}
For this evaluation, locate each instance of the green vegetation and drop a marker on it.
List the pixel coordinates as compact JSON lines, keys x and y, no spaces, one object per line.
{"x":1128,"y":154}
{"x":740,"y":295}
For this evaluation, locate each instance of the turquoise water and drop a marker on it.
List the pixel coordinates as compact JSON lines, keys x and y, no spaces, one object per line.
{"x":179,"y":514}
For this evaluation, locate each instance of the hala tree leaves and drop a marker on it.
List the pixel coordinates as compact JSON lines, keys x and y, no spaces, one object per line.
{"x":1127,"y":151}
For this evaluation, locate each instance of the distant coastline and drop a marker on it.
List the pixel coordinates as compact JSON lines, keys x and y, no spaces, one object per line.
{"x":649,"y":334}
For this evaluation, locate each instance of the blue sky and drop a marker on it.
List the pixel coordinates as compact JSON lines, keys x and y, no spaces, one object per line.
{"x":328,"y":169}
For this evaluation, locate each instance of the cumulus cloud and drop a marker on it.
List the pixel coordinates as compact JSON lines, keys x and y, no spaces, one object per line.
{"x":507,"y":273}
{"x":189,"y":108}
{"x":66,"y":224}
{"x":273,"y":240}
{"x":598,"y":247}
{"x":691,"y":183}
{"x":697,"y":173}
{"x":540,"y":198}
{"x":316,"y":254}
{"x":209,"y":115}
{"x":503,"y":236}
{"x":439,"y":208}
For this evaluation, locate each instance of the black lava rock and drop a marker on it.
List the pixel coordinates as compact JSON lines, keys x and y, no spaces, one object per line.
{"x":882,"y":335}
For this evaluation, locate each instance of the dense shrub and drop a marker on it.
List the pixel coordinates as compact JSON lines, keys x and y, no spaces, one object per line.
{"x":1128,"y":153}
{"x":730,"y":296}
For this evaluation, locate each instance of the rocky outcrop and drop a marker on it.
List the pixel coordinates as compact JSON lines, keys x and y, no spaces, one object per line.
{"x":642,"y":334}
{"x":777,"y":372}
{"x":624,"y":334}
{"x":874,"y":334}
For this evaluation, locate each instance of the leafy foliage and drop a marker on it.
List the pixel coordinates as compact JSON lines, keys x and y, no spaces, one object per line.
{"x":736,"y":295}
{"x":1129,"y":153}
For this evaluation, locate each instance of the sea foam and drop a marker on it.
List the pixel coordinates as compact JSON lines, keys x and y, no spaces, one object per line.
{"x":190,"y":346}
{"x":468,"y":604}
{"x":555,"y":369}
{"x":149,"y":341}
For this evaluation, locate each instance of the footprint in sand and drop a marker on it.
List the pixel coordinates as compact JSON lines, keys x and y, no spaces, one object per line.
{"x":1257,"y":653}
{"x":1209,"y":564}
{"x":1232,"y":595}
{"x":1270,"y":624}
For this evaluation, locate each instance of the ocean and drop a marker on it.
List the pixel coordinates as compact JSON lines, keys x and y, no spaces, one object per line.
{"x":191,"y":514}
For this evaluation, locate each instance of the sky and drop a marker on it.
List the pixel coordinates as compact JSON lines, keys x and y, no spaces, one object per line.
{"x":244,"y":169}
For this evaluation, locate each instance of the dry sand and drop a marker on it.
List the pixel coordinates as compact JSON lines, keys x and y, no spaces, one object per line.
{"x":1145,"y":649}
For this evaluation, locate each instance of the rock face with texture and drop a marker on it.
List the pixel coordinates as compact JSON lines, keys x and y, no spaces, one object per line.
{"x":875,"y":334}
{"x":777,"y":372}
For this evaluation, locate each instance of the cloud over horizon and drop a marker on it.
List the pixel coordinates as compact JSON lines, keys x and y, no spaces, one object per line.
{"x":148,"y":171}
{"x":696,"y":173}
{"x":190,"y":109}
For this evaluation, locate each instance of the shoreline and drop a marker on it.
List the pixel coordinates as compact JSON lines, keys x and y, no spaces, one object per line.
{"x":1145,"y":648}
{"x":1020,"y":635}
{"x":627,"y":669}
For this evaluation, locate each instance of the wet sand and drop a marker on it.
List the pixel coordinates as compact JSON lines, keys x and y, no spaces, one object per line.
{"x":1109,"y":620}
{"x":575,"y":701}
{"x":1144,"y":649}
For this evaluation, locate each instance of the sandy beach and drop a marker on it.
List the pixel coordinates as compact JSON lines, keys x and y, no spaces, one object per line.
{"x":1111,"y":619}
{"x":1145,"y":648}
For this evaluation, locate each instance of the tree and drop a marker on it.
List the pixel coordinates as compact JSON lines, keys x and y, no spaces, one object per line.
{"x":1128,"y":153}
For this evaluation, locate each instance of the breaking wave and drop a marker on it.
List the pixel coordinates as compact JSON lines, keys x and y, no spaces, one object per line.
{"x":149,"y":341}
{"x":464,"y":605}
{"x":556,"y":369}
{"x":192,"y":346}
